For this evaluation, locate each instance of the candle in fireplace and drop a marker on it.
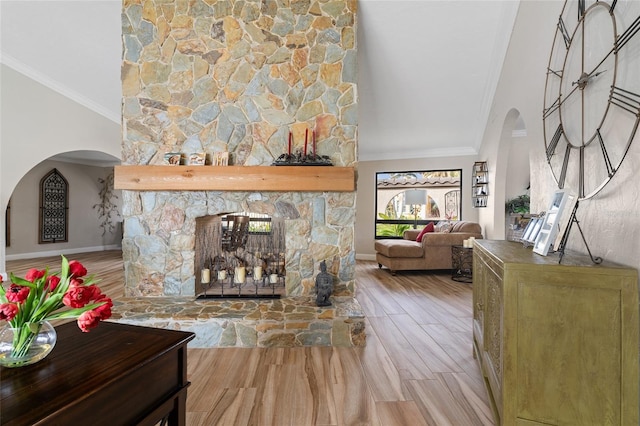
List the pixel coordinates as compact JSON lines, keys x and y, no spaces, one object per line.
{"x":257,"y":273}
{"x":240,"y":273}
{"x":205,"y":276}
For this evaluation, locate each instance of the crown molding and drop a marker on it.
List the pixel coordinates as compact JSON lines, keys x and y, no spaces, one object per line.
{"x":58,"y":87}
{"x":403,"y":154}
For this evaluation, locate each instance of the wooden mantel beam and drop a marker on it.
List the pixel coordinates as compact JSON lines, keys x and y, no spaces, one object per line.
{"x":235,"y":178}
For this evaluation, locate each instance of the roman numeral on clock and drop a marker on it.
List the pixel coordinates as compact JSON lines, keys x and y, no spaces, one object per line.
{"x":581,"y":174}
{"x":565,"y":164}
{"x":551,"y":149}
{"x":628,"y":101}
{"x":607,"y":161}
{"x":565,"y":33}
{"x":628,"y":34}
{"x":552,"y":108}
{"x":554,"y":72}
{"x":580,"y":9}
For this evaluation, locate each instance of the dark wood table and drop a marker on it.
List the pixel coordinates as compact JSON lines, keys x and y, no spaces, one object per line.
{"x":116,"y":374}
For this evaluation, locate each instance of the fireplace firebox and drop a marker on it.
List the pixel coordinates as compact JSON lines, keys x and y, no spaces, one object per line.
{"x":240,"y":255}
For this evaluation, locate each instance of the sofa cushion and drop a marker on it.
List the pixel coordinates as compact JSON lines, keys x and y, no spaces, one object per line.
{"x":399,"y":248}
{"x":466,"y":226}
{"x":428,"y":228}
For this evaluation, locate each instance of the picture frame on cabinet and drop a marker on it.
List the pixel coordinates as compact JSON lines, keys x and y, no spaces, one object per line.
{"x":564,"y":221}
{"x":550,"y":226}
{"x":531,"y":231}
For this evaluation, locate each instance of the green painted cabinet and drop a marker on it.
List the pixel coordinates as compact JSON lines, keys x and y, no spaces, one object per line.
{"x":557,"y":343}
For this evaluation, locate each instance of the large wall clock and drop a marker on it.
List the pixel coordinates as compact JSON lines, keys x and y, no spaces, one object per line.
{"x":592,"y":93}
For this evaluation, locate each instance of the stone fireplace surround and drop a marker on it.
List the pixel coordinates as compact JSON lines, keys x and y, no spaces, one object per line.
{"x":167,"y":299}
{"x":239,"y":76}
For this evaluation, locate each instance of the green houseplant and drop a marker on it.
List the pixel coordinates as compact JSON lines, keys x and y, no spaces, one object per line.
{"x":519,"y":205}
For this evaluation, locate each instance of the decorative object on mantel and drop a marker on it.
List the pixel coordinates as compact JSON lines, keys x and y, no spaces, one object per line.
{"x":324,"y":286}
{"x":173,"y":158}
{"x":197,"y":159}
{"x":30,"y":302}
{"x":220,"y":158}
{"x":301,"y":157}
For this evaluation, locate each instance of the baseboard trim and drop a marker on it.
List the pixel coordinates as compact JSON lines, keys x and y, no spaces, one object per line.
{"x":364,"y":256}
{"x":37,"y":254}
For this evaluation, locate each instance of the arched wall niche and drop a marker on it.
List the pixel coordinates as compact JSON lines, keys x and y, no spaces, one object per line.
{"x":509,"y":172}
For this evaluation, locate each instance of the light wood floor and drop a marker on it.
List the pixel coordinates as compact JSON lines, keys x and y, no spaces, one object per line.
{"x":416,"y":369}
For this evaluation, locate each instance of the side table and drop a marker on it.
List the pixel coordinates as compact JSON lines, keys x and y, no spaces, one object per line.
{"x":462,"y":264}
{"x":116,"y":374}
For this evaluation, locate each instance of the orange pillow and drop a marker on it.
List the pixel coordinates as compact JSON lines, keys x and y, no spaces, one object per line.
{"x":428,"y":228}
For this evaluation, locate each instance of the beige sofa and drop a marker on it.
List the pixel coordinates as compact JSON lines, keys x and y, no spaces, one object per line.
{"x":434,"y":252}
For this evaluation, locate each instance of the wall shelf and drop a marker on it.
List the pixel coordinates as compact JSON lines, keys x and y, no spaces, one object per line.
{"x":235,"y":178}
{"x":480,"y":184}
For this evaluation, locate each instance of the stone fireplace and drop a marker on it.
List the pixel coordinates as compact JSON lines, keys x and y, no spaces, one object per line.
{"x":252,"y":79}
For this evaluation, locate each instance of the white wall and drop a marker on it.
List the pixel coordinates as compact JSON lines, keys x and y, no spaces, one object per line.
{"x":37,"y":123}
{"x":366,"y":193}
{"x":84,"y":233}
{"x":611,"y":219}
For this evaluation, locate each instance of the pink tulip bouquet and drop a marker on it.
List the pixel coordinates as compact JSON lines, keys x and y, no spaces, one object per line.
{"x":43,"y":296}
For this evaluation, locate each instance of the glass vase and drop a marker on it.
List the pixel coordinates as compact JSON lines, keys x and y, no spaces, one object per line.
{"x":26,"y":344}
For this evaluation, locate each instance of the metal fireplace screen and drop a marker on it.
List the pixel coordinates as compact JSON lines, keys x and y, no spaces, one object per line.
{"x":240,"y":255}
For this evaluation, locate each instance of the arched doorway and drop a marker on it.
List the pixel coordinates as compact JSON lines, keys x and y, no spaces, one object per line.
{"x":89,"y":188}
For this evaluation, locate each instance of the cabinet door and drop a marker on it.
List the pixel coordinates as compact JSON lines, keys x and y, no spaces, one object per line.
{"x":479,"y":271}
{"x":493,"y":329}
{"x":569,"y":342}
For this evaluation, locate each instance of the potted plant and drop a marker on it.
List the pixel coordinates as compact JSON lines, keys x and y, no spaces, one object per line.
{"x":518,"y":205}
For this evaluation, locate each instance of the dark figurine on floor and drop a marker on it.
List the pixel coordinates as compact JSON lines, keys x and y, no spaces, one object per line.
{"x":324,"y":286}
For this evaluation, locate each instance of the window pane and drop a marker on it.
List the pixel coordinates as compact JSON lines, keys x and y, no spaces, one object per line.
{"x":411,"y":199}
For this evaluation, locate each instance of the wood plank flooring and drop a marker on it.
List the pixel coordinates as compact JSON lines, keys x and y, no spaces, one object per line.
{"x":416,"y":369}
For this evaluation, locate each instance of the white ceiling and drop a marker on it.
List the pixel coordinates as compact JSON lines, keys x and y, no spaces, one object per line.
{"x":427,"y":69}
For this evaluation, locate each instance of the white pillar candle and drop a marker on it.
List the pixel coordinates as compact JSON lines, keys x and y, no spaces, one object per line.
{"x":273,"y":278}
{"x":205,"y":276}
{"x":222,"y":274}
{"x":257,"y":272}
{"x":239,"y":275}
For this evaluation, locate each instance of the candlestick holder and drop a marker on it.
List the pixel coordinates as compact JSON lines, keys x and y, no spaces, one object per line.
{"x":300,"y":159}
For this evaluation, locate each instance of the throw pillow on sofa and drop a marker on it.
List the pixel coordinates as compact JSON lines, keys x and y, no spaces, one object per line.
{"x":444,"y":226}
{"x":428,"y":228}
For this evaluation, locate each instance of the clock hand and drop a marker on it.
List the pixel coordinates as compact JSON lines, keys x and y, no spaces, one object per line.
{"x":585,"y":78}
{"x":569,"y":95}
